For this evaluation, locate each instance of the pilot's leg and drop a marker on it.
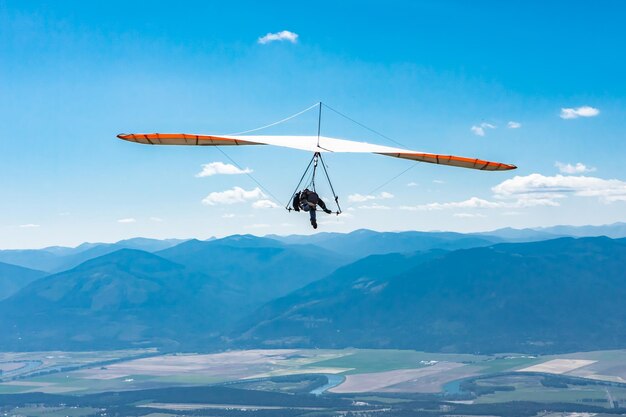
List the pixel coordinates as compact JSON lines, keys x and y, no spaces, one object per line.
{"x":313,"y":213}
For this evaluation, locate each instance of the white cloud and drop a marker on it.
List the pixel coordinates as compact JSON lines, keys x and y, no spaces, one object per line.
{"x":583,"y":111}
{"x":546,"y":188}
{"x":374,"y":206}
{"x":127,"y":220}
{"x":439,"y":182}
{"x":412,"y":184}
{"x":579,"y":168}
{"x":473,"y":202}
{"x":536,"y":190}
{"x":468,"y":215}
{"x":284,"y":35}
{"x":29,"y":226}
{"x":232,"y":196}
{"x":479,"y":130}
{"x":228,"y":216}
{"x":480,"y":203}
{"x":513,"y":125}
{"x":156,"y":219}
{"x":360,"y":198}
{"x":262,"y":204}
{"x":220,"y":168}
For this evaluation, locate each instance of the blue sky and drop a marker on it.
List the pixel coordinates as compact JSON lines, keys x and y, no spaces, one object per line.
{"x":432,"y":75}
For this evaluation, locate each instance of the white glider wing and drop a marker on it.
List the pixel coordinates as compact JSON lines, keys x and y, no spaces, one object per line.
{"x":310,"y":143}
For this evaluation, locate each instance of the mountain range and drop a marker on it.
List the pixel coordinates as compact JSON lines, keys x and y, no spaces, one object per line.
{"x":435,"y":291}
{"x":562,"y":294}
{"x":13,"y":277}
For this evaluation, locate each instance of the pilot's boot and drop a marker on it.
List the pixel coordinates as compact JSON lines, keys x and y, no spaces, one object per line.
{"x":314,"y":223}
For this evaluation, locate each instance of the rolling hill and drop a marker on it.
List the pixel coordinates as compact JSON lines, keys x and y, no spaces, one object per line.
{"x":127,"y":298}
{"x":13,"y":277}
{"x":261,"y":268}
{"x":558,"y":295}
{"x":362,"y":243}
{"x":60,"y":258}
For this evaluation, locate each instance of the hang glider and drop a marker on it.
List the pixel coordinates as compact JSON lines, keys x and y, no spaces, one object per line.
{"x":313,"y":144}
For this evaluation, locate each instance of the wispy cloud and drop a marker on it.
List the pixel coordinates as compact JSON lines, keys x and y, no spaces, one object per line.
{"x":578,"y":168}
{"x":263,"y":204}
{"x":536,"y":190}
{"x":360,"y":198}
{"x":220,"y":168}
{"x":29,"y":226}
{"x":479,"y":130}
{"x":281,"y":36}
{"x":439,"y":182}
{"x":513,"y":125}
{"x":583,"y":111}
{"x":228,"y":216}
{"x":156,"y":219}
{"x":127,"y":220}
{"x":473,"y":202}
{"x":412,"y":184}
{"x":468,"y":215}
{"x":374,"y":206}
{"x":233,"y":196}
{"x":551,"y":188}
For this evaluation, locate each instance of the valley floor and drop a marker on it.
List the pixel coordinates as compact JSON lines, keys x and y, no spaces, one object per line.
{"x":377,"y":378}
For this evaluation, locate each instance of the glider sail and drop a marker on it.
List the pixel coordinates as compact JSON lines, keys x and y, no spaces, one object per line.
{"x":313,"y":144}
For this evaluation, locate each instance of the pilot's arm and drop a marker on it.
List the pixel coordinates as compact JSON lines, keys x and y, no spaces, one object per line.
{"x":296,"y":202}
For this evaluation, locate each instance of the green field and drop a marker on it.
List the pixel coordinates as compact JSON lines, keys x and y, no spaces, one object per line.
{"x":54,"y":411}
{"x":378,"y":360}
{"x":402,"y":370}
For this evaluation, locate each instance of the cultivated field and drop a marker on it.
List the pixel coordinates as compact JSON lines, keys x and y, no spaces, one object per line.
{"x":359,"y":371}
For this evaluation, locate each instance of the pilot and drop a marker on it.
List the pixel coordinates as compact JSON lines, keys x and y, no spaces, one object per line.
{"x":308,"y":200}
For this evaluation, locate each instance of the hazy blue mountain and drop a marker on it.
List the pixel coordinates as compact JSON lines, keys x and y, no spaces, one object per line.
{"x":509,"y":234}
{"x":91,"y":251}
{"x":361,"y":243}
{"x":13,"y":277}
{"x":60,"y":258}
{"x":558,"y":295}
{"x":262,"y":268}
{"x":615,"y":230}
{"x":126,"y":298}
{"x":38,"y":259}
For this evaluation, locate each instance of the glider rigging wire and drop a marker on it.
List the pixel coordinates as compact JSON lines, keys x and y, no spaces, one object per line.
{"x":278,"y":122}
{"x":362,"y":125}
{"x":261,"y":186}
{"x":311,"y":169}
{"x":312,"y":144}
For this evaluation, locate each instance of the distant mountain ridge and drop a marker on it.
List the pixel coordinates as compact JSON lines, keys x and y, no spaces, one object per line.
{"x":13,"y":278}
{"x":126,"y":298}
{"x":363,"y":242}
{"x":60,"y":258}
{"x":439,"y":291}
{"x":614,"y":231}
{"x":557,"y":295}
